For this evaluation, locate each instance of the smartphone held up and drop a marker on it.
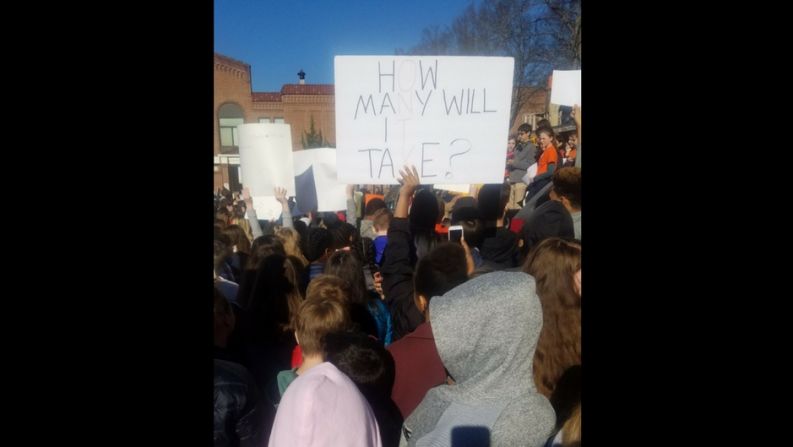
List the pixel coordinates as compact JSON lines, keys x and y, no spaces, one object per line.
{"x":455,"y":233}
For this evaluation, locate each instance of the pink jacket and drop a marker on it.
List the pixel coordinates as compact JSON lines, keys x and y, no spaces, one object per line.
{"x":323,"y":407}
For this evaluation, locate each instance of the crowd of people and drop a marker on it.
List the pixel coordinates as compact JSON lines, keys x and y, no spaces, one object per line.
{"x":369,"y":327}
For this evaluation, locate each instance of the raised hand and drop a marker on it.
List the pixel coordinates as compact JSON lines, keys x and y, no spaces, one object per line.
{"x":280,"y":195}
{"x":246,"y":197}
{"x":409,"y":180}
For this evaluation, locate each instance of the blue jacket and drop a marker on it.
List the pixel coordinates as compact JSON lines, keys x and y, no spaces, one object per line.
{"x":381,"y":315}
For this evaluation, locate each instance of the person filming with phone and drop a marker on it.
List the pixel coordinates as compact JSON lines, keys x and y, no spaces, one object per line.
{"x":468,"y":230}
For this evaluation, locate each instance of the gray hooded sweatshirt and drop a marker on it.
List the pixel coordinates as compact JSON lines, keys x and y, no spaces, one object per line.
{"x":486,"y":330}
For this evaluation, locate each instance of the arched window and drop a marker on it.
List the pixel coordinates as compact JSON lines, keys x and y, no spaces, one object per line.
{"x":229,"y":117}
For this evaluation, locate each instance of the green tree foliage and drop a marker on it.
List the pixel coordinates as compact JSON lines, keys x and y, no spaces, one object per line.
{"x":313,"y":139}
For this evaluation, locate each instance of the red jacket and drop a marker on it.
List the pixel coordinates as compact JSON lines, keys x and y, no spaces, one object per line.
{"x":418,"y":368}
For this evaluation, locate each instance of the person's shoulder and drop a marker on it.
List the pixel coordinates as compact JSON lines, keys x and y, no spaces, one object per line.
{"x":320,"y":380}
{"x":228,"y":372}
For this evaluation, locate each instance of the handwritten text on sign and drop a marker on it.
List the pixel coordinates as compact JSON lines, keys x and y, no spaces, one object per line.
{"x":448,"y":116}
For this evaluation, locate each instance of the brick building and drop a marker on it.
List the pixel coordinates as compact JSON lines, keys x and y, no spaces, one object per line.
{"x":535,"y":109}
{"x":235,"y":103}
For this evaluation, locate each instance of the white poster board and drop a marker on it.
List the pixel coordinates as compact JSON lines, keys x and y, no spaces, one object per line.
{"x":267,"y":208}
{"x":566,"y":87}
{"x":464,"y":188}
{"x":331,"y":194}
{"x":266,"y":158}
{"x":448,"y":116}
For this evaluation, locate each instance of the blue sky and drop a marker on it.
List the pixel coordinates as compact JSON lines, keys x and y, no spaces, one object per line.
{"x":279,"y":37}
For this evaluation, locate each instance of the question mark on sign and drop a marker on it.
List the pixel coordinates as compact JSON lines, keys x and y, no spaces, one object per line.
{"x":465,"y":142}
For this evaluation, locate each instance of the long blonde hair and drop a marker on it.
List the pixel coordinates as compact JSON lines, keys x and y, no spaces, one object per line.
{"x":291,"y":239}
{"x":246,"y":227}
{"x":293,"y":272}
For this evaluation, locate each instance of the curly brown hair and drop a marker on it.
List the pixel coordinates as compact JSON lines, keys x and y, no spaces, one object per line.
{"x":553,"y":263}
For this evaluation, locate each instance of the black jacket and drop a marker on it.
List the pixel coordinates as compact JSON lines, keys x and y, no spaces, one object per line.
{"x":500,"y":251}
{"x":551,"y":219}
{"x":237,"y":412}
{"x":397,"y":271}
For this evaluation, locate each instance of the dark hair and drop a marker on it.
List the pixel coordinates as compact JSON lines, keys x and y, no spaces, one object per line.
{"x":239,"y":210}
{"x":221,"y":249}
{"x":466,"y":203}
{"x":365,"y":361}
{"x":346,"y":266}
{"x":492,"y":200}
{"x":424,"y":212}
{"x":262,"y":247}
{"x":373,"y":205}
{"x":343,"y":235}
{"x":441,"y":270}
{"x":566,"y":397}
{"x":543,"y":124}
{"x":238,"y":238}
{"x":372,"y":368}
{"x":465,"y":213}
{"x":473,"y":231}
{"x":223,"y":214}
{"x":318,"y":240}
{"x":330,"y":220}
{"x":268,"y":302}
{"x":525,"y":127}
{"x":567,"y":183}
{"x":550,"y":219}
{"x":224,"y":238}
{"x":300,"y":226}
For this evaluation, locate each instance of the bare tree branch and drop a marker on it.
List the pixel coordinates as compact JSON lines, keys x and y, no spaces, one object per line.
{"x":541,"y":35}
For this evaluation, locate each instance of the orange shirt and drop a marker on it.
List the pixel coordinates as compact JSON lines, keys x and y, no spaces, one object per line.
{"x":549,"y":155}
